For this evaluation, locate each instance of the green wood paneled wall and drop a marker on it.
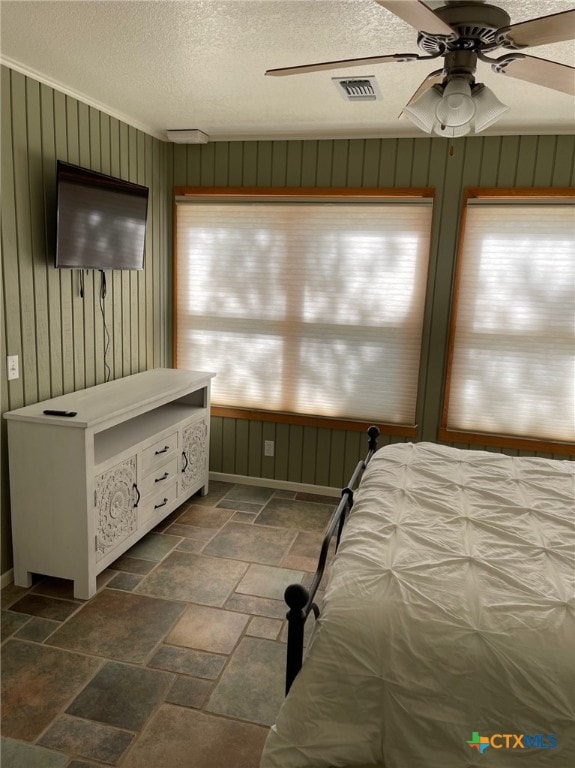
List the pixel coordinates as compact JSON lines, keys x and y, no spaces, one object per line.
{"x":325,"y":457}
{"x":58,"y":336}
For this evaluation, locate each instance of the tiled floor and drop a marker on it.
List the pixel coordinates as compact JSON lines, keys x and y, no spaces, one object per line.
{"x":178,"y":660}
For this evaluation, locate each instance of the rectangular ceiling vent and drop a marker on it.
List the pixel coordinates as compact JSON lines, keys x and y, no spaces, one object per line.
{"x":358,"y":88}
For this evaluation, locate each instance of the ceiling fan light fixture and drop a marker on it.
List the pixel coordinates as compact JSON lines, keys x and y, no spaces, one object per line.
{"x":421,"y":112}
{"x":456,"y":108}
{"x":452,"y":132}
{"x":488,"y":108}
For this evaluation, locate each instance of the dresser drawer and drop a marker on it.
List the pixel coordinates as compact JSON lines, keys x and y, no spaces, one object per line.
{"x":155,"y":505}
{"x":156,"y":454}
{"x":159,"y":477}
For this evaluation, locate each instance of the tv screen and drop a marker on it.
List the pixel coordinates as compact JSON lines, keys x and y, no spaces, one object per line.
{"x":101,"y":220}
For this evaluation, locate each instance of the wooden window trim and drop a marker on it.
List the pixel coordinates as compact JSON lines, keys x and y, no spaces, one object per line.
{"x":310,"y":421}
{"x":489,"y":438}
{"x":305,"y":192}
{"x":504,"y":441}
{"x":335,"y":193}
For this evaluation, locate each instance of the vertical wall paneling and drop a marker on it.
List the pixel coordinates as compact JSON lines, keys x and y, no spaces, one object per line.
{"x":308,"y":163}
{"x":308,"y":454}
{"x":564,"y":165}
{"x":281,"y":451}
{"x":322,"y":456}
{"x":58,"y":336}
{"x":229,"y":446}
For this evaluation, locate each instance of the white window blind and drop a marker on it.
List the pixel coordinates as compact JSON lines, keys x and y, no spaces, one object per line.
{"x":305,"y":307}
{"x":513,"y":364}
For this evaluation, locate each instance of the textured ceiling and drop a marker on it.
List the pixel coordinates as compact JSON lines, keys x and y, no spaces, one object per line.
{"x":200,"y":64}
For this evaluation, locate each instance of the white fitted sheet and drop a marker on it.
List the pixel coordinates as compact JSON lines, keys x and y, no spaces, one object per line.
{"x":449,"y":609}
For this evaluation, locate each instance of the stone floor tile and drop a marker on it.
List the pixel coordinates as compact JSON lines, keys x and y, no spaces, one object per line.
{"x":153,"y":546}
{"x":217,"y":741}
{"x":244,"y":517}
{"x":37,"y":629}
{"x":268,"y":581}
{"x":252,"y":685}
{"x":118,"y":625}
{"x":208,"y":629}
{"x":19,"y":754}
{"x":11,"y":623}
{"x":194,"y":578}
{"x":87,"y":739}
{"x":204,"y":517}
{"x":318,"y":498}
{"x":289,"y":513}
{"x":125,"y":581}
{"x":10,"y":593}
{"x":133,"y":565}
{"x":260,"y":626}
{"x":252,"y":493}
{"x":191,"y":545}
{"x":216,"y":490}
{"x":188,"y":662}
{"x":255,"y":543}
{"x":258,"y":606}
{"x":37,"y":681}
{"x":192,"y":532}
{"x":121,"y":695}
{"x":239,"y":506}
{"x":45,"y":607}
{"x":189,"y":692}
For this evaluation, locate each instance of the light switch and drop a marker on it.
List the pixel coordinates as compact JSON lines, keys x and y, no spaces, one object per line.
{"x":12,"y":366}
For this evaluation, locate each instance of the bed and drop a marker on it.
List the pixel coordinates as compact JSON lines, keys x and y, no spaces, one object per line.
{"x":448,"y":623}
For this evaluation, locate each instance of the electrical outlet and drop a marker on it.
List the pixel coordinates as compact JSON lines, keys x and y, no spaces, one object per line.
{"x":12,"y":366}
{"x":268,"y":447}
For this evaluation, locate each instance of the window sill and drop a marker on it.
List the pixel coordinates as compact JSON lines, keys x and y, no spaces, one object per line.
{"x":505,"y":441}
{"x":311,"y":421}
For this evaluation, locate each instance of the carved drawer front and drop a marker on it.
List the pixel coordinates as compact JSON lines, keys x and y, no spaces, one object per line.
{"x":156,"y":454}
{"x":194,"y":453}
{"x":116,"y":498}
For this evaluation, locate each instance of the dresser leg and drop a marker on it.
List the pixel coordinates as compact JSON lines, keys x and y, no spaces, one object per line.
{"x":22,"y":577}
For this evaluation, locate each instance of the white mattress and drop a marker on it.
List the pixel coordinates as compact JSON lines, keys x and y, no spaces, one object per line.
{"x":449,"y":610}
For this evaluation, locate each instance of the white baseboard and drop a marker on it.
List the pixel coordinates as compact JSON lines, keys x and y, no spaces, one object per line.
{"x":266,"y":482}
{"x":7,"y":578}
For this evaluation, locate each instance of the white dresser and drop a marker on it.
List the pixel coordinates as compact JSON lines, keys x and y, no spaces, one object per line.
{"x":84,"y":489}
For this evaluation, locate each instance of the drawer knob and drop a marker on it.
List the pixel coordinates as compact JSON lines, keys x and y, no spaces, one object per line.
{"x":163,"y":477}
{"x":161,"y":504}
{"x":162,"y":450}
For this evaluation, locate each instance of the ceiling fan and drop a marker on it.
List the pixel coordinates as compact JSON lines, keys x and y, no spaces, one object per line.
{"x":449,"y":102}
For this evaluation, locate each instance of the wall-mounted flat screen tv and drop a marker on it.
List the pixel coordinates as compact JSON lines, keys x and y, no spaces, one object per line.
{"x":101,"y":220}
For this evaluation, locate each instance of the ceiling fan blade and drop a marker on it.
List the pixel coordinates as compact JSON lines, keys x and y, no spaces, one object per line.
{"x":555,"y":28}
{"x":420,"y":17}
{"x":550,"y":74}
{"x":398,"y":57}
{"x":432,"y":78}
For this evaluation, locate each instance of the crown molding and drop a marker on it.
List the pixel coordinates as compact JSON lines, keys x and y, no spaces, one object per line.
{"x":41,"y":78}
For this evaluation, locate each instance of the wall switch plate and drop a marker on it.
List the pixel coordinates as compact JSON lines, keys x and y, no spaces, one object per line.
{"x":12,"y":366}
{"x":268,"y":447}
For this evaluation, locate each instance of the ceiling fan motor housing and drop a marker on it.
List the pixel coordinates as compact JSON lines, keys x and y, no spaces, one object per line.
{"x":475,"y":25}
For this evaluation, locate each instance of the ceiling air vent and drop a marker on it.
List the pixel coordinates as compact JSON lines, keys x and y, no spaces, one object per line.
{"x":357,"y":88}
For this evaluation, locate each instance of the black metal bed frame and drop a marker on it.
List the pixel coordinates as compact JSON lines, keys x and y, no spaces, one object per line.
{"x":300,"y":600}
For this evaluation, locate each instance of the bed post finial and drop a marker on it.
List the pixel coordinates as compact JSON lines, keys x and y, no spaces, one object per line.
{"x":373,"y":433}
{"x":296,"y":596}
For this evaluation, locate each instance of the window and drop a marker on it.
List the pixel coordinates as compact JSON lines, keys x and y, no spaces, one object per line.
{"x":512,"y":364}
{"x":305,"y":305}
